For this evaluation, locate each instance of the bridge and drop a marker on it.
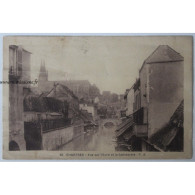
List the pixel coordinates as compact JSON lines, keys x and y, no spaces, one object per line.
{"x":111,"y":120}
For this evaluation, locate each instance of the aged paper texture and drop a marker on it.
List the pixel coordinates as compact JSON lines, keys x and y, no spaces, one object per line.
{"x":97,"y":97}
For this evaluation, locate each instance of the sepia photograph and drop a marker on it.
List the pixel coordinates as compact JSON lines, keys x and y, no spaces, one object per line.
{"x":97,"y":97}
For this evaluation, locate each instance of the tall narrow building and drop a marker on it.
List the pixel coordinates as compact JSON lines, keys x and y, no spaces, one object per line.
{"x":155,"y":104}
{"x":19,"y":70}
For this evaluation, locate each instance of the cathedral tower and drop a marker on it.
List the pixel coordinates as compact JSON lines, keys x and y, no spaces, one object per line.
{"x":43,"y":74}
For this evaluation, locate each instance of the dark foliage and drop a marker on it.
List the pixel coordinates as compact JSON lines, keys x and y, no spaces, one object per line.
{"x":44,"y":104}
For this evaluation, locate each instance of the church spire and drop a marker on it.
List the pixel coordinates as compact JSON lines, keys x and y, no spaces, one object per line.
{"x":43,"y":74}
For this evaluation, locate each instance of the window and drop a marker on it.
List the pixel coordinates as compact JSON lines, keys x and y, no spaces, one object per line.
{"x":15,"y":61}
{"x":12,"y":60}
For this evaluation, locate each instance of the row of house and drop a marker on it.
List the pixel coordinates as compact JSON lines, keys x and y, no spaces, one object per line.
{"x":152,"y":102}
{"x":82,"y":95}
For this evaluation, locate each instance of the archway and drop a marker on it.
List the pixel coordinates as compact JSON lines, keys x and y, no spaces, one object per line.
{"x":13,"y":146}
{"x":110,"y":121}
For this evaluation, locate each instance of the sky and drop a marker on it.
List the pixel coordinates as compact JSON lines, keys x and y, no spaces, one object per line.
{"x":110,"y":62}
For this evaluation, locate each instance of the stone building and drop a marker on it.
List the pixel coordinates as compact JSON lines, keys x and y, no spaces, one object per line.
{"x":53,"y":117}
{"x":106,"y":97}
{"x":162,"y":80}
{"x":19,"y":70}
{"x":155,"y":97}
{"x":63,"y":93}
{"x":41,"y":115}
{"x":90,"y":108}
{"x":129,"y":105}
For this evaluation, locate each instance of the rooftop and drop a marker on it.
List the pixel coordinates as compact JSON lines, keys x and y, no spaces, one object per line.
{"x":60,"y":90}
{"x":164,"y":53}
{"x":19,"y":47}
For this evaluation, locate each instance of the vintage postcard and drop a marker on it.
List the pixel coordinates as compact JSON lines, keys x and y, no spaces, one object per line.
{"x":97,"y":97}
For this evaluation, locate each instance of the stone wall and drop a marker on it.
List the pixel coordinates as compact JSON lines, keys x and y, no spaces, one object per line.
{"x":52,"y":140}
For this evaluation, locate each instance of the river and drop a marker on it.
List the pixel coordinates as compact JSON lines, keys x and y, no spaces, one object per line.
{"x":99,"y":139}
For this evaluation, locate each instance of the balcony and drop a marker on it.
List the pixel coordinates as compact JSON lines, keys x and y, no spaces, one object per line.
{"x":15,"y":75}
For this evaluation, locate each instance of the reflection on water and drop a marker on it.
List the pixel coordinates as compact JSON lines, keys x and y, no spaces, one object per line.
{"x":100,"y":139}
